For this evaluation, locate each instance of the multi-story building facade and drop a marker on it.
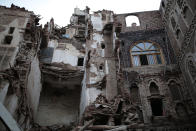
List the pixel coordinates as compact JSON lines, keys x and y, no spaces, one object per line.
{"x":179,"y":20}
{"x":99,"y":72}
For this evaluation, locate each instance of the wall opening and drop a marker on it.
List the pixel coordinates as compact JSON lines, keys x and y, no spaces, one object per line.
{"x":163,"y":4}
{"x":146,"y":53}
{"x":191,"y":68}
{"x":101,"y":67}
{"x":134,"y":93}
{"x":8,"y":39}
{"x":81,"y":19}
{"x":175,"y":90}
{"x":156,"y":106}
{"x":178,"y":34}
{"x":80,"y":61}
{"x":154,"y":89}
{"x":132,"y":21}
{"x":102,"y":45}
{"x":11,"y":30}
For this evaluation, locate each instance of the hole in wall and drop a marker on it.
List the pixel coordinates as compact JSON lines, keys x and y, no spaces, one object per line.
{"x":102,"y":45}
{"x":132,"y":21}
{"x":123,"y":43}
{"x":134,"y":92}
{"x":164,"y":39}
{"x":178,"y":33}
{"x":80,"y":61}
{"x":101,"y":67}
{"x":156,"y":106}
{"x":8,"y":39}
{"x":175,"y":90}
{"x":163,"y":4}
{"x":185,"y":11}
{"x":11,"y":30}
{"x":154,"y":89}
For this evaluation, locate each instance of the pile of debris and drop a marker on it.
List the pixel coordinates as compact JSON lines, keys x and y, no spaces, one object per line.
{"x":61,"y":70}
{"x":37,"y":127}
{"x":109,"y":115}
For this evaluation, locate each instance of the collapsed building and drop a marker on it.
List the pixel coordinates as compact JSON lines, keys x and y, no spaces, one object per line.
{"x":99,"y":73}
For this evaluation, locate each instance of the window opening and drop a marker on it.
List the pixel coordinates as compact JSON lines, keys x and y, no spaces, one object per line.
{"x":145,"y":54}
{"x":178,"y":33}
{"x":157,"y":107}
{"x":80,"y":61}
{"x":11,"y":30}
{"x":175,"y":90}
{"x":134,"y":93}
{"x":154,"y":89}
{"x":102,"y":45}
{"x":101,"y":67}
{"x":132,"y":21}
{"x":8,"y":39}
{"x":185,"y":11}
{"x":163,"y":4}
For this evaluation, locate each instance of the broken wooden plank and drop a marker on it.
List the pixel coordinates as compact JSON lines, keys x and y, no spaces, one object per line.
{"x":8,"y":119}
{"x":101,"y":127}
{"x":86,"y":125}
{"x":121,"y":128}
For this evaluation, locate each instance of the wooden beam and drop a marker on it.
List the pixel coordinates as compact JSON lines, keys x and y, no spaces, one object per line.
{"x":8,"y":119}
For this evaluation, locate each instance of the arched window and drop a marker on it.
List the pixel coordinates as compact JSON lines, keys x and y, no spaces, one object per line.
{"x":191,"y":65}
{"x":175,"y":90}
{"x":134,"y":93}
{"x":132,"y":21}
{"x":146,"y":53}
{"x":154,"y":89}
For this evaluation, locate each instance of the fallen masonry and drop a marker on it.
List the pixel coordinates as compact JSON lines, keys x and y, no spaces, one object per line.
{"x":99,"y":73}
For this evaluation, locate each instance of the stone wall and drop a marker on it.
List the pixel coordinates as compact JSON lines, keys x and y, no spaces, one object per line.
{"x":179,"y":19}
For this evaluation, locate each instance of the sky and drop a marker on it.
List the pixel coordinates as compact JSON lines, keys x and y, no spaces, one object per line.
{"x":61,"y":10}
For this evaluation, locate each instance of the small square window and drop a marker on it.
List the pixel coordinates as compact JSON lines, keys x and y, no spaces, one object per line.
{"x":11,"y":30}
{"x":178,"y":33}
{"x":80,"y":61}
{"x":8,"y":39}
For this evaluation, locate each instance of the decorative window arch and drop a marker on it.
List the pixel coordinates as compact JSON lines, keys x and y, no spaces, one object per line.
{"x":154,"y":89}
{"x":191,"y":67}
{"x":146,"y":53}
{"x":175,"y":90}
{"x":134,"y":94}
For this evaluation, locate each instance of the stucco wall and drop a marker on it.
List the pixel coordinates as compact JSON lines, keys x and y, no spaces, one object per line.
{"x":34,"y":85}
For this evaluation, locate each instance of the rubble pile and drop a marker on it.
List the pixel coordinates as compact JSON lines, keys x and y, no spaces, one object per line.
{"x":105,"y":115}
{"x":61,"y":70}
{"x":58,"y":127}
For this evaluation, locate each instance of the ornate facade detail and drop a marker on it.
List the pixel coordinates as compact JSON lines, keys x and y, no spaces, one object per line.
{"x":167,"y":11}
{"x":186,"y":43}
{"x":191,"y":66}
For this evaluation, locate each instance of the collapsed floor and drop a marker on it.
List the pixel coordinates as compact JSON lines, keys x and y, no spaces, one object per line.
{"x":97,"y":73}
